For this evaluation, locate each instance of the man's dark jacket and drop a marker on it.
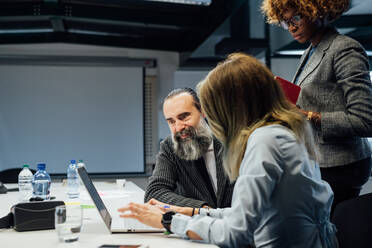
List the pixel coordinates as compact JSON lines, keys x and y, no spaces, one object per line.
{"x":179,"y":182}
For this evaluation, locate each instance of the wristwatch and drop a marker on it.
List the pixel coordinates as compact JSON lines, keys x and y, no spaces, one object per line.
{"x":167,"y":220}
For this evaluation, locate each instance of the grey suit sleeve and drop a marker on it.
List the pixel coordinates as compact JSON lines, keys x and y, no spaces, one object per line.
{"x":351,"y":69}
{"x":163,"y":182}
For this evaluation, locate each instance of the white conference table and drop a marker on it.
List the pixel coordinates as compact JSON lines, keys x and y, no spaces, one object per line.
{"x":94,"y":232}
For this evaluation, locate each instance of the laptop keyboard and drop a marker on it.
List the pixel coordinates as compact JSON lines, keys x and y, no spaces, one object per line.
{"x":129,"y":223}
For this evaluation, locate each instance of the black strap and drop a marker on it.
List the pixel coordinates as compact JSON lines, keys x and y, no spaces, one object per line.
{"x":7,"y":221}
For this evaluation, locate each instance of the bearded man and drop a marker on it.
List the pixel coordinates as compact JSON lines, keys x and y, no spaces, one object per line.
{"x":188,"y":170}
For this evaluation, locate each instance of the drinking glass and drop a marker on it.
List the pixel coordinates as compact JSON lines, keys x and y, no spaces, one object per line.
{"x":68,"y":222}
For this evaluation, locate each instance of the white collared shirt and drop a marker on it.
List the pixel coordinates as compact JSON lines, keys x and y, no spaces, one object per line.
{"x":210,"y":162}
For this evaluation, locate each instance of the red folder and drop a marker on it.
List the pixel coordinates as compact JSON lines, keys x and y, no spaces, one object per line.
{"x":291,"y":90}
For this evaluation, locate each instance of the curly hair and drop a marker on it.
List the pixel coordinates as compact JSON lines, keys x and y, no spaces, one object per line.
{"x":312,"y":9}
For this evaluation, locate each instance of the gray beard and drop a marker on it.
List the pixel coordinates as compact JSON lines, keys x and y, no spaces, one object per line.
{"x":197,"y":144}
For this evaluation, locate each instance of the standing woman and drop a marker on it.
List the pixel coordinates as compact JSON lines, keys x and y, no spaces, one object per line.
{"x":336,"y":90}
{"x":279,"y":199}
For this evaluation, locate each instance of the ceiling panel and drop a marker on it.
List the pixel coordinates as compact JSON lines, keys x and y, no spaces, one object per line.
{"x":125,"y":23}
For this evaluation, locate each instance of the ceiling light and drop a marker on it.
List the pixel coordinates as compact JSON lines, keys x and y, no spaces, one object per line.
{"x":192,"y":2}
{"x":300,"y":52}
{"x":90,"y":32}
{"x":290,"y":52}
{"x":22,"y":31}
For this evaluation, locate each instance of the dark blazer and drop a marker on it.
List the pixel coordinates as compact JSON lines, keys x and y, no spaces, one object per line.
{"x":178,"y":182}
{"x":335,"y":82}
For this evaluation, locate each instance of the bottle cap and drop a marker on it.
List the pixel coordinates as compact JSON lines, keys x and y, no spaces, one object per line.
{"x":73,"y":161}
{"x":41,"y":166}
{"x":81,"y":161}
{"x":25,"y":166}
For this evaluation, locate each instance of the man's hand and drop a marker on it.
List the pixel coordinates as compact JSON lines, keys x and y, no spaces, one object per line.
{"x":145,"y":213}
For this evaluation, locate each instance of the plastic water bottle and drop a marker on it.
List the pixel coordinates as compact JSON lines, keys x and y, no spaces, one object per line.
{"x":41,"y":183}
{"x":73,"y":182}
{"x":25,"y":184}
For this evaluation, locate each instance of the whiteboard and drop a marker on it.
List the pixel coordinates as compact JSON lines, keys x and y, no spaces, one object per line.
{"x":53,"y":114}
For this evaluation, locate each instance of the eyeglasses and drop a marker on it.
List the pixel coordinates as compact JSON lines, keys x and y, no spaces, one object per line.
{"x":294,"y":21}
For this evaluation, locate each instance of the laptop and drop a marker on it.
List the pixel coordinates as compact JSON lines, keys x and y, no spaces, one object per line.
{"x":116,"y":224}
{"x":291,"y":90}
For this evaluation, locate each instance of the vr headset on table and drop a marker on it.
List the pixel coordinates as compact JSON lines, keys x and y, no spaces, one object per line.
{"x":31,"y":216}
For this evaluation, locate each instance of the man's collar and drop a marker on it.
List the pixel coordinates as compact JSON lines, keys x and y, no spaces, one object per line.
{"x":210,"y":148}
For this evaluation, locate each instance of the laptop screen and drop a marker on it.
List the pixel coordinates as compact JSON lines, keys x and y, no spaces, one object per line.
{"x":95,"y":196}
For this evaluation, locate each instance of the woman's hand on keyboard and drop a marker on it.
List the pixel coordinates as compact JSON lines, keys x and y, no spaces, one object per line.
{"x":145,"y":213}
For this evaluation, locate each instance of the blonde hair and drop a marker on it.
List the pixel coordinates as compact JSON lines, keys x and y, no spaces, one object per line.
{"x":312,"y":9}
{"x":241,"y":95}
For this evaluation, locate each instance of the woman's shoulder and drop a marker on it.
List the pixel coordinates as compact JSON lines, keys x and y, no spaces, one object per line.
{"x":267,"y":148}
{"x":344,"y":41}
{"x":271,"y":136}
{"x":272,"y":132}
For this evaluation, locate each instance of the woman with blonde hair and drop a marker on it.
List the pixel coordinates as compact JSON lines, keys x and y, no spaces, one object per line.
{"x":336,"y":90}
{"x":279,"y":199}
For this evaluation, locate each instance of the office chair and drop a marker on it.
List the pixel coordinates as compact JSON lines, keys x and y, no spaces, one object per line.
{"x":11,"y":175}
{"x":353,"y":219}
